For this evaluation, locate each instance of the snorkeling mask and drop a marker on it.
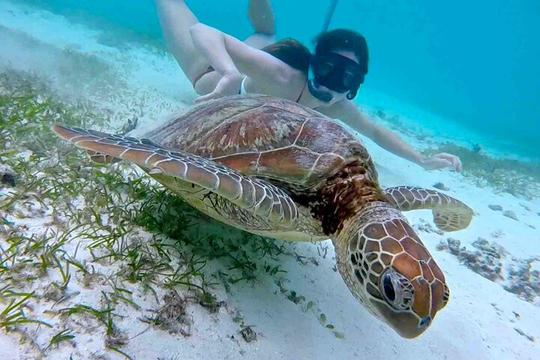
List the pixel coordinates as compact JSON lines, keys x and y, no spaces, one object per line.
{"x":337,"y":73}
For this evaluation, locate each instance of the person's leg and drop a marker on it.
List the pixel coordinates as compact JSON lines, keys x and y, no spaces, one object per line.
{"x":176,"y":19}
{"x":261,"y":17}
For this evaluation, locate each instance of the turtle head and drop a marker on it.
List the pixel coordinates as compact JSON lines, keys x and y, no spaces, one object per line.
{"x":388,"y":269}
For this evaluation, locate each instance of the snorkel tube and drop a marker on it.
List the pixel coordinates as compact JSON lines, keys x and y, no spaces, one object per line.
{"x":313,"y":86}
{"x":319,"y":93}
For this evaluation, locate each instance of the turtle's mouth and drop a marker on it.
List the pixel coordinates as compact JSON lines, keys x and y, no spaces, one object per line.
{"x":405,"y":323}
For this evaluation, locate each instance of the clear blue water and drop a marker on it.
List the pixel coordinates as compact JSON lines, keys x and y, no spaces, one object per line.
{"x":475,"y":63}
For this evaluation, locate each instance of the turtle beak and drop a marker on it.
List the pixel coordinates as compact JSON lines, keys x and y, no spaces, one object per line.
{"x":406,"y":324}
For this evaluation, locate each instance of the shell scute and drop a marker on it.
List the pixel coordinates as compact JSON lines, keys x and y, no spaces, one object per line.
{"x":266,"y":137}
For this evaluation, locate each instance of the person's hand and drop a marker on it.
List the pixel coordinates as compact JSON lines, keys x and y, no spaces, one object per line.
{"x":229,"y":84}
{"x":441,"y":161}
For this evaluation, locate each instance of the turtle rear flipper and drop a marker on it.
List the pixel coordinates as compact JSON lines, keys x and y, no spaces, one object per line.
{"x":449,"y":214}
{"x":249,"y":193}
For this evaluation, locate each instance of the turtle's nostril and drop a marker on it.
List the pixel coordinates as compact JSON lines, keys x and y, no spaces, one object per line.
{"x":425,"y":322}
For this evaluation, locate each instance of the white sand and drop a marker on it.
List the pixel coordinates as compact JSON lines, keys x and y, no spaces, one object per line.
{"x":480,"y":321}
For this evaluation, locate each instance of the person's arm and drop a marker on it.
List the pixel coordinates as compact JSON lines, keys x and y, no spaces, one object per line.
{"x":348,"y":112}
{"x":231,"y":58}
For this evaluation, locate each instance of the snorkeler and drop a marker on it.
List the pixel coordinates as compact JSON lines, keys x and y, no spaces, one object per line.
{"x":218,"y":64}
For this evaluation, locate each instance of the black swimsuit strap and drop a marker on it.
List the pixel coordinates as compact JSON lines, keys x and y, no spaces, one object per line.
{"x":301,"y":92}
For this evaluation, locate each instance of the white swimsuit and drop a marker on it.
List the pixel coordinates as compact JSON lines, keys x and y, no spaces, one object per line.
{"x":243,"y":86}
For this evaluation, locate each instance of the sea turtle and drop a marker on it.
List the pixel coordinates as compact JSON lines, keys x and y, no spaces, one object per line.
{"x":278,"y":169}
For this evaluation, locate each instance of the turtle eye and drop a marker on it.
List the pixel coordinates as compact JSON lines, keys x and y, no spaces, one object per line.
{"x":388,"y":289}
{"x":396,"y":289}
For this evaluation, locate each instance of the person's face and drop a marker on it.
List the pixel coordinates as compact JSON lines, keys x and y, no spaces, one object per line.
{"x":337,"y":96}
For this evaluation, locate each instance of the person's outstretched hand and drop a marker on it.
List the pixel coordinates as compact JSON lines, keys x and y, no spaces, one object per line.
{"x":441,"y":161}
{"x":228,"y":85}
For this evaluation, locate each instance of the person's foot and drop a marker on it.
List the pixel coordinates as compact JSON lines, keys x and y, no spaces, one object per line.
{"x":261,"y":17}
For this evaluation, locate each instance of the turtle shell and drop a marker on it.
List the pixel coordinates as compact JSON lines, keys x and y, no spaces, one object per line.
{"x":268,"y":137}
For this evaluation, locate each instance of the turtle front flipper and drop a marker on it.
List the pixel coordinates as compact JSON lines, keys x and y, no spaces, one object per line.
{"x":449,"y":214}
{"x":252,"y":194}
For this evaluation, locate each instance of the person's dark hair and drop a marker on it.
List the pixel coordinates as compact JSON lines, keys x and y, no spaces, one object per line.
{"x":343,"y":39}
{"x":291,"y":52}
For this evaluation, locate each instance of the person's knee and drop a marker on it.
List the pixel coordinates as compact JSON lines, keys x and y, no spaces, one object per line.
{"x":193,"y":28}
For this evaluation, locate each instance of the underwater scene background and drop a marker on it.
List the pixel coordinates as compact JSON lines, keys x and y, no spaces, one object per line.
{"x":102,"y":262}
{"x":475,"y":64}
